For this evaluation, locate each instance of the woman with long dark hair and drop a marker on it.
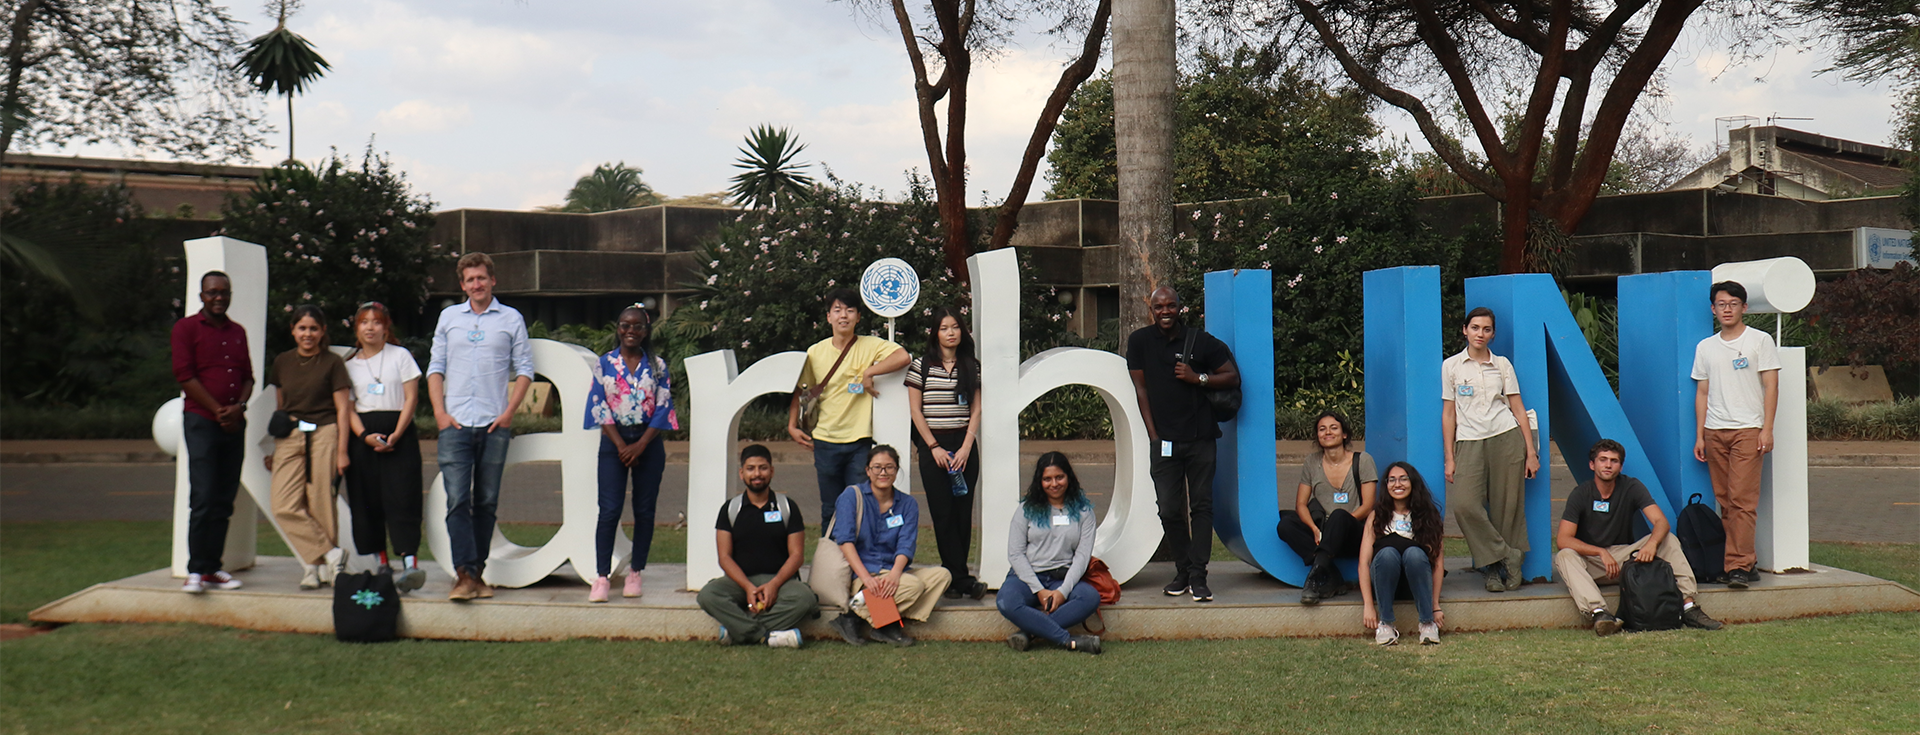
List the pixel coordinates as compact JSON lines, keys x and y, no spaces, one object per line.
{"x":630,"y":402}
{"x":383,"y":481}
{"x":1049,"y":548}
{"x":316,"y":394}
{"x":943,"y":390}
{"x":1334,"y":497}
{"x":1402,"y":542}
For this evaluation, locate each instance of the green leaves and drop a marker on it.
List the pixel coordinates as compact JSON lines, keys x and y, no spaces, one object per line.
{"x":771,"y":177}
{"x":281,"y":62}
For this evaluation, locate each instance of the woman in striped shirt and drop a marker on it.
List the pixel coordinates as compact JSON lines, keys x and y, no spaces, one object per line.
{"x":943,"y":388}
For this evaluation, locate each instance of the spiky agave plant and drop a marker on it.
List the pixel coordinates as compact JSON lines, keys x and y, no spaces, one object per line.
{"x":771,"y":176}
{"x":284,"y":63}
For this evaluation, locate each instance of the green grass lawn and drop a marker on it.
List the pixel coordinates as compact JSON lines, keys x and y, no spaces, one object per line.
{"x":1840,"y":674}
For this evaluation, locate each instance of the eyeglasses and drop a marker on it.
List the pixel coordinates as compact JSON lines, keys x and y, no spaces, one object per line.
{"x":1399,"y":480}
{"x":1728,"y":304}
{"x":884,"y":469}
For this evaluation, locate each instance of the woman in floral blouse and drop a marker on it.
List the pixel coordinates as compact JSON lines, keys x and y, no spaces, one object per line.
{"x":631,"y":401}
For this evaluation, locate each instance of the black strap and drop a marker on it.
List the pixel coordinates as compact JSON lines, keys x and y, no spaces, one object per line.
{"x":821,"y":384}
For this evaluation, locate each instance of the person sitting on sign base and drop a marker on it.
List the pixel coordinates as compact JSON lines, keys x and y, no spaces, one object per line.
{"x":760,"y":534}
{"x":1596,"y":537}
{"x":1401,"y":542}
{"x":879,"y":549}
{"x":1048,"y":550}
{"x":1336,"y":496}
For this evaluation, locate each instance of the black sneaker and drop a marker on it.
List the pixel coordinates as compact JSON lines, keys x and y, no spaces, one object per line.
{"x":1605,"y":624}
{"x":1084,"y":644}
{"x":978,"y":590}
{"x":953,"y":593}
{"x":1200,"y":591}
{"x":1695,"y":617}
{"x":850,"y":627}
{"x":1178,"y":586}
{"x":1019,"y":642}
{"x":1740,"y":579}
{"x":895,"y":634}
{"x":1315,"y":588}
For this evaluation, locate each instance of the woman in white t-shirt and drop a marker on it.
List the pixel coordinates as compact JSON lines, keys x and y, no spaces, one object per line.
{"x":383,"y":480}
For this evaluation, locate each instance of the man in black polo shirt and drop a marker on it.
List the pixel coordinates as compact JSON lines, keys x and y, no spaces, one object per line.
{"x":760,"y":536}
{"x":1173,"y":367}
{"x":1596,"y":537}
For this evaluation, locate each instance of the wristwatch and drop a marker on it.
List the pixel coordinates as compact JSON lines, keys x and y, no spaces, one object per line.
{"x":1203,"y":380}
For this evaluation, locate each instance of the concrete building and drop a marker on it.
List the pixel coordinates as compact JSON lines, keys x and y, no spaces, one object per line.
{"x":188,"y":191}
{"x":1799,"y":165}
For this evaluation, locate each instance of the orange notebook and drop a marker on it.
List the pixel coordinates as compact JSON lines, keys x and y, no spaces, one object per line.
{"x":883,"y":611}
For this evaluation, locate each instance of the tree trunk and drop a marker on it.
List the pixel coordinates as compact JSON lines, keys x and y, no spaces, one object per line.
{"x":1071,"y":78}
{"x":19,"y":41}
{"x":290,"y":128}
{"x":1143,"y":93}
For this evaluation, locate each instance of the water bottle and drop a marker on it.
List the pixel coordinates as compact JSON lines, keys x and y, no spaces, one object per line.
{"x":959,"y":480}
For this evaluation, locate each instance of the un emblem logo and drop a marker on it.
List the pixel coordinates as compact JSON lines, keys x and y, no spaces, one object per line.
{"x":890,"y":287}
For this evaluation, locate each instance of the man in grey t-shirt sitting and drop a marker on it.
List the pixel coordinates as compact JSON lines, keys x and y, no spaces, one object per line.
{"x":1596,"y":537}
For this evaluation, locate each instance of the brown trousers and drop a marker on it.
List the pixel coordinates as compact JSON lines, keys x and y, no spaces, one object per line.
{"x":303,"y":502}
{"x":1734,"y":461}
{"x":1583,"y":575}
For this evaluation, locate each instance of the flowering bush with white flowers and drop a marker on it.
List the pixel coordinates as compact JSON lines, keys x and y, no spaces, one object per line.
{"x":337,"y":236}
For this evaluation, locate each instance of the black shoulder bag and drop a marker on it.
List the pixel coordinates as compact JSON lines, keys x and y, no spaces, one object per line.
{"x":1225,"y":402}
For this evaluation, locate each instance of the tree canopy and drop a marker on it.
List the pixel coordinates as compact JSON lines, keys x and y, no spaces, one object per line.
{"x":611,"y":186}
{"x":1242,"y":128}
{"x":155,"y":74}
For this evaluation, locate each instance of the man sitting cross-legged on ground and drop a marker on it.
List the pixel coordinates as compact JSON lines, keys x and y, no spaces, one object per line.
{"x":760,"y":537}
{"x":1596,"y":537}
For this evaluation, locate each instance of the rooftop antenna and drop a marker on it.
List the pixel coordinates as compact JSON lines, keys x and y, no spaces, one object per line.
{"x":1724,"y":125}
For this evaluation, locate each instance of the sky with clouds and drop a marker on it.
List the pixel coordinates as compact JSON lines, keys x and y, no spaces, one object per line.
{"x":502,"y":104}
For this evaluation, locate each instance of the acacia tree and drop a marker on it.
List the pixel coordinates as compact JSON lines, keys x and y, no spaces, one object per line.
{"x":150,"y":74}
{"x":1576,"y":70}
{"x":943,"y":38}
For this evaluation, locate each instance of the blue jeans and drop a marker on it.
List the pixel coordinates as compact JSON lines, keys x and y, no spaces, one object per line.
{"x":471,"y":460}
{"x":1019,"y":604}
{"x":836,"y":466}
{"x":645,"y":475}
{"x":1389,"y":566}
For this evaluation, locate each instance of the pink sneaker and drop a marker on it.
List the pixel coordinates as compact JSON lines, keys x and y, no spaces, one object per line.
{"x":600,"y":587}
{"x":632,"y":588}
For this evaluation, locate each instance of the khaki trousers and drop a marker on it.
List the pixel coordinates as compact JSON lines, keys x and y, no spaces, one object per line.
{"x":303,"y":503}
{"x":919,"y":591}
{"x":1733,"y":460}
{"x":1488,"y":497}
{"x":1581,"y":573}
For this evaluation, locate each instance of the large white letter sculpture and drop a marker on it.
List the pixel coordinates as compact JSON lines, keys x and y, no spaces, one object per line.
{"x":569,"y":368}
{"x":1130,"y":532}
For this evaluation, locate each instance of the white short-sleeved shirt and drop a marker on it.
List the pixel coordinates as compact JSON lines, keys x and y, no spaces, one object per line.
{"x":1479,"y":393}
{"x":1732,"y":370}
{"x":379,"y":382}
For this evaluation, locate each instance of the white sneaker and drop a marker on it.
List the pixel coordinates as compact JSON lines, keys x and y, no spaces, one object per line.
{"x":221,"y":581}
{"x":408,"y":579}
{"x":1429,"y":634}
{"x":194,"y":585}
{"x":789,"y":638}
{"x":1386,"y":635}
{"x":309,"y":576}
{"x":334,"y":566}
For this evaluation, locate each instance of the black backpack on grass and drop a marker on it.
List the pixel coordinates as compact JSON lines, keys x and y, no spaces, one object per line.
{"x":366,"y":607}
{"x":1649,"y":596}
{"x":1702,"y":539}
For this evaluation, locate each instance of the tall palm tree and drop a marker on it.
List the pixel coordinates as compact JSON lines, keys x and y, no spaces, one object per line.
{"x":611,"y":186}
{"x":1143,"y":91}
{"x":771,"y":176}
{"x":282,"y":62}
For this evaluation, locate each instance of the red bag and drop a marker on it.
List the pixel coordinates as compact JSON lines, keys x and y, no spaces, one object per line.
{"x":1102,"y":580}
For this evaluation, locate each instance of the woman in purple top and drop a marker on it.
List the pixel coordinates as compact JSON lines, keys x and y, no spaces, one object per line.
{"x":631,"y":401}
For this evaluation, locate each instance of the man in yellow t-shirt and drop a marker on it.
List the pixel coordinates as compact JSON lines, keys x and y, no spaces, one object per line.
{"x":844,"y":431}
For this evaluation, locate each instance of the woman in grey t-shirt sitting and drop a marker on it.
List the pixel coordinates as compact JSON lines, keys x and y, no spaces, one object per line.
{"x":1049,"y":547}
{"x":1335,"y":496}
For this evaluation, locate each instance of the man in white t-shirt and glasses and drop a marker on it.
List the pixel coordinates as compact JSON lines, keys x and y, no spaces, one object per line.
{"x":1738,"y":373}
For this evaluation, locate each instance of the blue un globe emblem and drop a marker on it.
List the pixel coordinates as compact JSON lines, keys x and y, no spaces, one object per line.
{"x":890,"y":287}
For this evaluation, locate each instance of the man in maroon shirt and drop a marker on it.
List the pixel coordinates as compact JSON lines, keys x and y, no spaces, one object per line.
{"x":211,"y":363}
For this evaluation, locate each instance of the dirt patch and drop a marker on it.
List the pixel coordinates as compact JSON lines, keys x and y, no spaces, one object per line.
{"x":16,"y":631}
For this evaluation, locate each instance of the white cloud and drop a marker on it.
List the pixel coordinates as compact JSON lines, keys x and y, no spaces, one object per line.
{"x":421,"y":116}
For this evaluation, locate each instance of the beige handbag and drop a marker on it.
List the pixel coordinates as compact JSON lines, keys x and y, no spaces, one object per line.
{"x":831,"y":578}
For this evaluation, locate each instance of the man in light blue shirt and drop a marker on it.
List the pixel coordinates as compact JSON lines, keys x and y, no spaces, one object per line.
{"x":479,"y":346}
